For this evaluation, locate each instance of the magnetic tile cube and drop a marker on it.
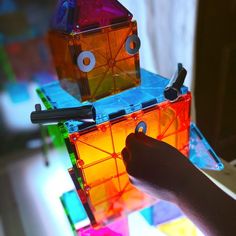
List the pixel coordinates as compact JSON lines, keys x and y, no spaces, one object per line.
{"x":97,"y":63}
{"x":80,"y":15}
{"x":98,"y":156}
{"x":99,"y":173}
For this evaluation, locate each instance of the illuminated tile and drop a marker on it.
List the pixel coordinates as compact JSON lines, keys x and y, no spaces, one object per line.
{"x":74,"y":210}
{"x":119,"y":227}
{"x":161,"y":212}
{"x":107,"y":191}
{"x":18,"y":91}
{"x":179,"y":227}
{"x":80,"y":15}
{"x":201,"y":153}
{"x":97,"y":63}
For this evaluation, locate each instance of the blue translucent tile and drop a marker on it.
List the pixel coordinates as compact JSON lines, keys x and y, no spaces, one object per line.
{"x":161,"y":212}
{"x":42,"y":78}
{"x":154,"y":85}
{"x":148,"y":94}
{"x":147,"y":213}
{"x":63,"y":16}
{"x":165,"y":211}
{"x":18,"y":91}
{"x":201,"y":153}
{"x":73,"y":207}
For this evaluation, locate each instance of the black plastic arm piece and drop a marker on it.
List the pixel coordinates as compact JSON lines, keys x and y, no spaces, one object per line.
{"x":84,"y":114}
{"x":173,"y":89}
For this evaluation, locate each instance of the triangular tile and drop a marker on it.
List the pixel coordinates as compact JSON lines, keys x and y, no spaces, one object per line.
{"x":80,"y":15}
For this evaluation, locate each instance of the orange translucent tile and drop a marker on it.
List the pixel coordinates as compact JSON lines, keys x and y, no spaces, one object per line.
{"x":91,"y":149}
{"x":108,"y":188}
{"x":97,"y":63}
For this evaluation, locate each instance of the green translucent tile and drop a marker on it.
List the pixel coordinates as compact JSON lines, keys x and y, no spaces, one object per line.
{"x":56,"y":136}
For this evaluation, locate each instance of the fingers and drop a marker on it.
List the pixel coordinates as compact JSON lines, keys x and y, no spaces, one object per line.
{"x":139,"y":139}
{"x":126,"y":155}
{"x":130,"y":141}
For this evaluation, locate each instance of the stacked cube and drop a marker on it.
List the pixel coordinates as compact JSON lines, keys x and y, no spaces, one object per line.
{"x":96,"y":53}
{"x":95,"y":48}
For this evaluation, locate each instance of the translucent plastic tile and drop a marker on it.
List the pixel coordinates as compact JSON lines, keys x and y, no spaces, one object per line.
{"x":201,"y":153}
{"x":79,"y":15}
{"x":110,"y":107}
{"x":179,"y":227}
{"x":161,"y":212}
{"x":97,"y":63}
{"x":119,"y":227}
{"x":56,"y":136}
{"x":18,"y":91}
{"x":74,"y":210}
{"x":109,"y":192}
{"x":93,"y":149}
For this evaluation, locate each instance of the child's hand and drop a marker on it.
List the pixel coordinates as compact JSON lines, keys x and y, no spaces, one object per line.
{"x":156,"y":167}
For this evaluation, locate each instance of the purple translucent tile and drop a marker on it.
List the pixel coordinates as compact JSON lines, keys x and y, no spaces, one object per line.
{"x":80,"y":15}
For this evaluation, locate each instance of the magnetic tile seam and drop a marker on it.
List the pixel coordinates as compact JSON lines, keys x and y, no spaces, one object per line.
{"x":109,"y":43}
{"x":131,"y":30}
{"x":111,"y":156}
{"x":114,"y":151}
{"x":105,"y":73}
{"x":86,"y":202}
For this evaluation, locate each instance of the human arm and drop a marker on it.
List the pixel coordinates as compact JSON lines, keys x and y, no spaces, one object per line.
{"x":162,"y":171}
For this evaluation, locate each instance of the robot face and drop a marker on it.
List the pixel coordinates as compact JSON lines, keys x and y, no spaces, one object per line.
{"x":101,"y":62}
{"x":86,"y":60}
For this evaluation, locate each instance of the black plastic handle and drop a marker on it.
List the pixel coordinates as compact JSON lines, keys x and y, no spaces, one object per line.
{"x":84,"y":114}
{"x":173,"y":89}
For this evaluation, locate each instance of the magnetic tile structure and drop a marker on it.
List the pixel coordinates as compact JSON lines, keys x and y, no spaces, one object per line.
{"x":99,"y":173}
{"x":95,"y":48}
{"x":100,"y":55}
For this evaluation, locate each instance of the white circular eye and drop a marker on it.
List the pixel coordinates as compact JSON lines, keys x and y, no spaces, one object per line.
{"x":86,"y":61}
{"x":135,"y":40}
